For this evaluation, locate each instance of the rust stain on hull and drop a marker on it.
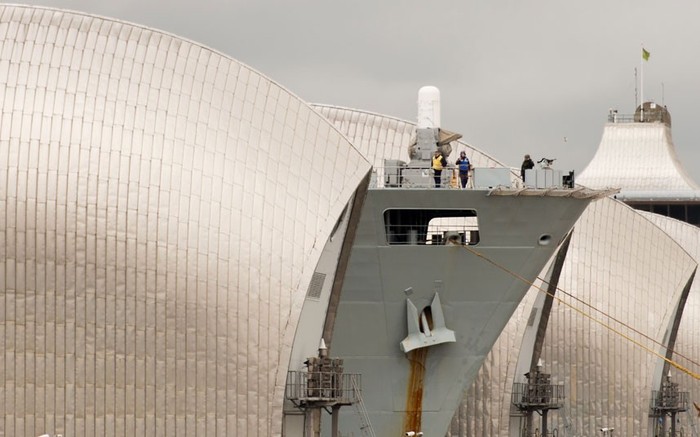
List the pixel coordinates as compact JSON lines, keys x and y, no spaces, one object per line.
{"x":414,"y":394}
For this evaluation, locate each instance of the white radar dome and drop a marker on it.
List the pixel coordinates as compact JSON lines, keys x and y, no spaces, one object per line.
{"x":428,"y":107}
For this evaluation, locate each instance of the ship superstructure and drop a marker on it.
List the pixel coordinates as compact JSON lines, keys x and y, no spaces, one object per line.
{"x":432,"y":276}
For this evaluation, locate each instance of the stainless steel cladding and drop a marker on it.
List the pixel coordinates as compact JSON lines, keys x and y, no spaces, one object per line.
{"x":616,"y":257}
{"x":160,"y":211}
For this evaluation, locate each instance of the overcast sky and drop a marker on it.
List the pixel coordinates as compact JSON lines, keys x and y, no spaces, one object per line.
{"x":515,"y":76}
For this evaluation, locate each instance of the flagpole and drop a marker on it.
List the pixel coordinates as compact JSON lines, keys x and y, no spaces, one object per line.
{"x":636,"y":88}
{"x":641,"y":85}
{"x":662,"y":94}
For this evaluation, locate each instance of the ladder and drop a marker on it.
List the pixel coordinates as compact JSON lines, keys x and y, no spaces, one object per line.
{"x":361,"y":410}
{"x":691,"y":423}
{"x":568,"y":425}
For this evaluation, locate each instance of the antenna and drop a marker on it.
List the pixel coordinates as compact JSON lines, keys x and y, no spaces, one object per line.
{"x":641,"y":85}
{"x":662,"y":94}
{"x":635,"y":88}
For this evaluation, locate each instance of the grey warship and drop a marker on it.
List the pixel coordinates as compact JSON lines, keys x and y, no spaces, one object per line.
{"x":424,"y":282}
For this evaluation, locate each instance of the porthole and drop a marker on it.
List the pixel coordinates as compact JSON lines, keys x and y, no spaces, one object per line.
{"x":545,"y":239}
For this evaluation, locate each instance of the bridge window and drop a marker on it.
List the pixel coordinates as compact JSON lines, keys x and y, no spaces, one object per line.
{"x":431,"y":227}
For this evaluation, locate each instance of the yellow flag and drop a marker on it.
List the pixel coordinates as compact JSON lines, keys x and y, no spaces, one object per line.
{"x":645,"y":54}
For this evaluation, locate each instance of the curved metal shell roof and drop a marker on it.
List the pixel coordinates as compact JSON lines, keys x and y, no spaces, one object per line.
{"x":636,"y":157}
{"x":626,"y":268}
{"x":687,"y":347}
{"x":629,"y":270}
{"x":154,"y":259}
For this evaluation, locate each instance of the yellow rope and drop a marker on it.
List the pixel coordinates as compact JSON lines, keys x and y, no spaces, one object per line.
{"x":600,"y":322}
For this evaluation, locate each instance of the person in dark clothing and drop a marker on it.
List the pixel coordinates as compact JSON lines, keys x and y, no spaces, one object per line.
{"x":464,"y":166}
{"x":439,"y":162}
{"x":527,"y":164}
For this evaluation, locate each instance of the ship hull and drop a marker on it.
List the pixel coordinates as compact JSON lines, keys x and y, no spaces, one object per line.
{"x":479,"y":287}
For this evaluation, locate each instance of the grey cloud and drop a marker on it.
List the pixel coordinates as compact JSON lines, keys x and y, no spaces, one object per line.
{"x":513,"y":75}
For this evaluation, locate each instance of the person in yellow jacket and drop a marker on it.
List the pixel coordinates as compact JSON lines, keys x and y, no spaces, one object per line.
{"x":439,"y":162}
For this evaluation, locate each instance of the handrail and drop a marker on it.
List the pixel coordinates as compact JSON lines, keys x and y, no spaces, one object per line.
{"x":321,"y":387}
{"x":649,"y":117}
{"x":366,"y":426}
{"x":531,"y":395}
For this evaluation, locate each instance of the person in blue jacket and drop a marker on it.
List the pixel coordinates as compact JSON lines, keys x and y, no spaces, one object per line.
{"x":464,"y":166}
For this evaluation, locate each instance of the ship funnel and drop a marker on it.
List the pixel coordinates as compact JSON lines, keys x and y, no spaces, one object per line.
{"x":428,"y":107}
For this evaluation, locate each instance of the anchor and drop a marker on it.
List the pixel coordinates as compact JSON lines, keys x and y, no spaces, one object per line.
{"x":420,"y":333}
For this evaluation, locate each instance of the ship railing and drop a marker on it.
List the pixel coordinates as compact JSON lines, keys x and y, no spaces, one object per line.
{"x":406,"y":176}
{"x":435,"y":234}
{"x":664,"y":401}
{"x":322,"y":388}
{"x":649,"y":117}
{"x":527,"y":396}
